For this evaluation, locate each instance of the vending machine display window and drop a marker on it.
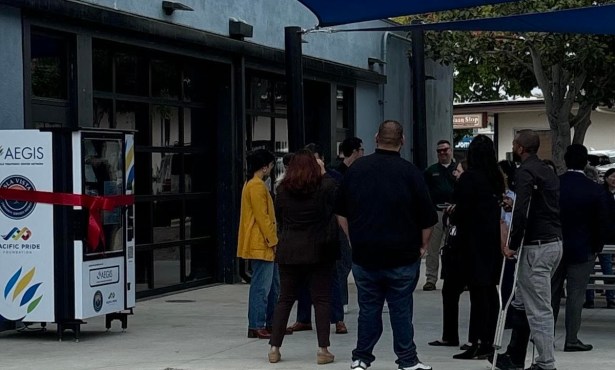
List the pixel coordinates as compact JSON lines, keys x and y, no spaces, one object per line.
{"x":103,"y":176}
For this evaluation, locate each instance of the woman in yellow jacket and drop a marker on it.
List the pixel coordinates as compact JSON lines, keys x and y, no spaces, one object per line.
{"x":257,"y":241}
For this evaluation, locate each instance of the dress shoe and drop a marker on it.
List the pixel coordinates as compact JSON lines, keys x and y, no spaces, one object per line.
{"x":442,"y":343}
{"x":465,"y":347}
{"x":588,"y":304}
{"x":289,"y":331}
{"x":577,"y":347}
{"x":475,"y":352}
{"x":610,"y":304}
{"x":274,"y":355}
{"x":324,"y":357}
{"x":429,"y":286}
{"x":259,"y":333}
{"x":340,"y":328}
{"x":504,"y":362}
{"x":536,"y":367}
{"x":300,"y":326}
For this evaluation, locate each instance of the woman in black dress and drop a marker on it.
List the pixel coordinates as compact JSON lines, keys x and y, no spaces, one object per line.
{"x":477,"y":198}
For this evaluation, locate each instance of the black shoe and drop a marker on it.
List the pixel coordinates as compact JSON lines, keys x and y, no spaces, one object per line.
{"x":465,"y":347}
{"x":577,"y":347}
{"x":441,"y":343}
{"x":588,"y":304}
{"x":504,"y":362}
{"x":536,"y":367}
{"x":469,"y":354}
{"x":429,"y":286}
{"x":610,"y":304}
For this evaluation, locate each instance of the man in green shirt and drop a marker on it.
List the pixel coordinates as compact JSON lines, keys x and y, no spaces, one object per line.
{"x":440,"y":180}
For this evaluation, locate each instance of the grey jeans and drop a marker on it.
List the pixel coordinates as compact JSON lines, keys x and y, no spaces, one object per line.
{"x":537,"y":265}
{"x":432,"y":258}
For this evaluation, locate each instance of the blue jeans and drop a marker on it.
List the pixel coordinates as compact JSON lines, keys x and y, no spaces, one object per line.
{"x":264,"y":291}
{"x":396,"y":285}
{"x":606,"y":266}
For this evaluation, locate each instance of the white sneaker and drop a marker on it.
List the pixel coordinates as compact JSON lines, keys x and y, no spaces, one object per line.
{"x":418,"y":366}
{"x":358,"y":365}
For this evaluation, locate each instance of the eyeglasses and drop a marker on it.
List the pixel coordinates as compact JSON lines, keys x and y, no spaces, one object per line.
{"x":442,"y":150}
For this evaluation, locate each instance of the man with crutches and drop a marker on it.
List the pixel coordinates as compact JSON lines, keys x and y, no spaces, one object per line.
{"x":536,"y":234}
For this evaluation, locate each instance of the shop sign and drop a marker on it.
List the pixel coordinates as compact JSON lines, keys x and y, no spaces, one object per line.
{"x":468,"y":121}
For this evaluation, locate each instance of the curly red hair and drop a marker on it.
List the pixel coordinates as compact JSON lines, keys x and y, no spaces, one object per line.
{"x":303,"y":173}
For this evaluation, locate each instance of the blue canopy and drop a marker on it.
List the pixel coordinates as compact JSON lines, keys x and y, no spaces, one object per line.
{"x":597,"y":19}
{"x":335,"y":12}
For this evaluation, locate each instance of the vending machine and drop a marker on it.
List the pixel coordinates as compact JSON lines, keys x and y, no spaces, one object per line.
{"x":67,"y":226}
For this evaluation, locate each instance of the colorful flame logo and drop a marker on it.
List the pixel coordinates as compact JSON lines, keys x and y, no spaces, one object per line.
{"x":16,"y":233}
{"x":18,"y":284}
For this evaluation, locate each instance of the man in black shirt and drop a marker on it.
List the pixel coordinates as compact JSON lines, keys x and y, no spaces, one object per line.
{"x":385,"y":208}
{"x":536,"y":224}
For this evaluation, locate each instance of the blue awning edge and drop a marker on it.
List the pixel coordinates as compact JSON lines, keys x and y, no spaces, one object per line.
{"x":336,"y":12}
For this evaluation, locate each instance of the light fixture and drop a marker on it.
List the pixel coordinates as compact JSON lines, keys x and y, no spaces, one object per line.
{"x":239,"y":29}
{"x":170,"y":6}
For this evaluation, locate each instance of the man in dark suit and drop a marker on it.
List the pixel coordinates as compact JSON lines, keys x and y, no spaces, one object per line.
{"x":584,"y":224}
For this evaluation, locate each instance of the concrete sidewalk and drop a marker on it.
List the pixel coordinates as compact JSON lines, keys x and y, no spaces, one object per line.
{"x":206,"y":329}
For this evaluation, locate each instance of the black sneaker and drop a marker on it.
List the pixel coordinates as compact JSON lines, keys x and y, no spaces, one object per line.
{"x":536,"y":367}
{"x":504,"y":362}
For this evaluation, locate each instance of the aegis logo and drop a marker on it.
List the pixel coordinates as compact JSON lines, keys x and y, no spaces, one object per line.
{"x":22,"y":153}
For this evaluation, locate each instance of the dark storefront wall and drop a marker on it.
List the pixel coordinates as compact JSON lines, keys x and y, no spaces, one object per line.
{"x":186,"y":106}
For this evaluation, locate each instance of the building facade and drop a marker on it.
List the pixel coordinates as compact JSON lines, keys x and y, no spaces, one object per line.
{"x":199,"y":98}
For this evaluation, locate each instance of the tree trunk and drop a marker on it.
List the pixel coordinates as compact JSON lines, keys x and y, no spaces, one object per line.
{"x":560,"y":139}
{"x":580,"y":129}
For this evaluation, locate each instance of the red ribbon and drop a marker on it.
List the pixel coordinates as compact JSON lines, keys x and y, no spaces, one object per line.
{"x":95,"y":204}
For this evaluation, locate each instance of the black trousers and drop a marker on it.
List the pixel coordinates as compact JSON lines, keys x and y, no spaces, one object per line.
{"x":292,"y":277}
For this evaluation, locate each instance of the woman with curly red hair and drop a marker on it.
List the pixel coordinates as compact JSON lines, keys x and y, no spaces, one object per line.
{"x":307,"y":247}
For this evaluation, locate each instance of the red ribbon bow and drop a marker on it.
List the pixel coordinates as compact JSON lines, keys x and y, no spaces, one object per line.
{"x":95,"y":205}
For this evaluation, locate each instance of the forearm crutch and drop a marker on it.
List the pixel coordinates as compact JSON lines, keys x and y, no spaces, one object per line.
{"x":501,"y":323}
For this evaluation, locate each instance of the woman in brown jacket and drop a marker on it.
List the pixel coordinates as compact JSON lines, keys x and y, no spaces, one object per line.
{"x":307,"y":249}
{"x":257,"y":241}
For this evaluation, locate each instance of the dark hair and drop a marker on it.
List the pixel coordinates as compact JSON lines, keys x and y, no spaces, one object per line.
{"x":576,"y":157}
{"x":349,"y":145}
{"x":286,"y":158}
{"x":390,"y":133}
{"x":443,"y":141}
{"x":509,"y":168}
{"x":608,"y":173}
{"x":315,"y":149}
{"x":481,"y":157}
{"x":529,"y":140}
{"x":302,"y":175}
{"x":258,"y":159}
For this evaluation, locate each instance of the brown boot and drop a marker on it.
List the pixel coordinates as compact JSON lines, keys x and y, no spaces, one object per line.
{"x":259,"y":333}
{"x":300,"y":326}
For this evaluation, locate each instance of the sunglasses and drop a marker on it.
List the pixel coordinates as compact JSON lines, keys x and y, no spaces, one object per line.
{"x":442,"y":150}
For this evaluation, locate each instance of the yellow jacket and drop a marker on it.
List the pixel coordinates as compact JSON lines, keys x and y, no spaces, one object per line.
{"x":257,"y":228}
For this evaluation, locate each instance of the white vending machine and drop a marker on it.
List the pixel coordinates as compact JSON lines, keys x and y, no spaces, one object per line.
{"x":67,"y":226}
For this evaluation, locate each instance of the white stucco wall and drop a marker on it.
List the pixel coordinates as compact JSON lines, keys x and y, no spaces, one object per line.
{"x":600,"y":135}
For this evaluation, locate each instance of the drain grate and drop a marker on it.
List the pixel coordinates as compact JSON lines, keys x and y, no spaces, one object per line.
{"x":179,"y":301}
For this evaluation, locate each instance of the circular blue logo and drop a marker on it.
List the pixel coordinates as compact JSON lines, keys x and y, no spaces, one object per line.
{"x":16,"y":209}
{"x":98,"y":301}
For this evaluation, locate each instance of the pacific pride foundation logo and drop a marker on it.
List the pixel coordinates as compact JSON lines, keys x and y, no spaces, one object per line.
{"x":16,"y":209}
{"x":20,"y":294}
{"x":16,"y":234}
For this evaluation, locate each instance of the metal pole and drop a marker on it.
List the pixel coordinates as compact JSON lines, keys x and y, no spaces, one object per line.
{"x":294,"y":87}
{"x":419,"y":109}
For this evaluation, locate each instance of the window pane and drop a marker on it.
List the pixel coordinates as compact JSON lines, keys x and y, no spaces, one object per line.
{"x":168,"y":169}
{"x":49,"y":67}
{"x":281,"y":135}
{"x":102,"y":68}
{"x":261,"y":132}
{"x":130,"y":115}
{"x":166,"y":267}
{"x":201,"y":217}
{"x":143,"y":222}
{"x":165,"y":126}
{"x":260,"y":94}
{"x":131,"y":74}
{"x":201,"y":260}
{"x":166,"y":220}
{"x":165,"y":79}
{"x":341,"y":120}
{"x":280,"y":97}
{"x":103,"y":113}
